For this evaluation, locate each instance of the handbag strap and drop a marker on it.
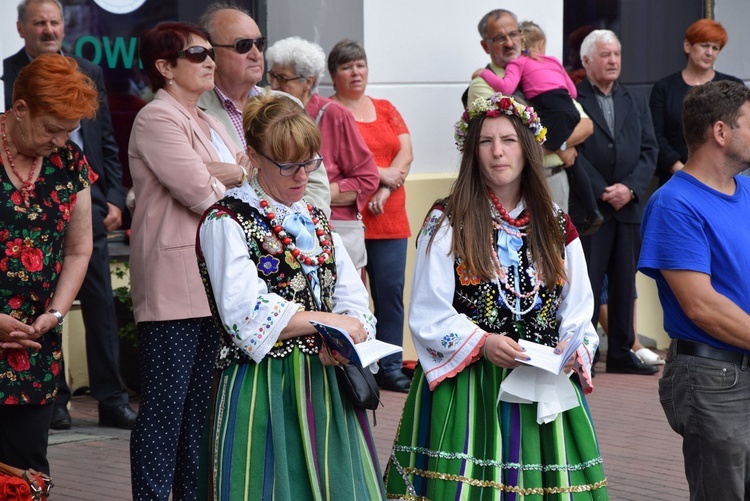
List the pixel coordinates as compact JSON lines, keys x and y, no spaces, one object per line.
{"x":320,"y":114}
{"x":32,"y":477}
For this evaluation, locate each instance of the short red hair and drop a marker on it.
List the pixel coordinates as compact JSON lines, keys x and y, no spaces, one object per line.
{"x":52,"y":85}
{"x":706,"y":30}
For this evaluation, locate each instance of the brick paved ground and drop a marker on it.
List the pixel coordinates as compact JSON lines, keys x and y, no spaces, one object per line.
{"x":642,"y":454}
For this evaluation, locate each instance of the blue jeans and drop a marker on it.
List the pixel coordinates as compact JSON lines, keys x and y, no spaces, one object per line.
{"x":386,"y":266}
{"x":708,"y":402}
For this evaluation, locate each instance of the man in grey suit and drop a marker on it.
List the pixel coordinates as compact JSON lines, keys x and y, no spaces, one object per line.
{"x":239,"y":67}
{"x":620,"y":158}
{"x":40,"y":24}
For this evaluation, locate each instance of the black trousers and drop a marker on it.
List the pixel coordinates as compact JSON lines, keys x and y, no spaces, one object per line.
{"x":24,"y":434}
{"x":614,"y":251}
{"x":100,"y":321}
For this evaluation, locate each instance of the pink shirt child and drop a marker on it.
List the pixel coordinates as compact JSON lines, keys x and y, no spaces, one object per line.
{"x":535,"y":77}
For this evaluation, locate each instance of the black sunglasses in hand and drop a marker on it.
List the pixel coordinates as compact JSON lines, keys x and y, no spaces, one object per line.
{"x":197,"y":54}
{"x":245,"y":45}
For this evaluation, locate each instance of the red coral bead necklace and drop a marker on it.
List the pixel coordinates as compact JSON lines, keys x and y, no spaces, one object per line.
{"x":518,"y":223}
{"x":286,"y":239}
{"x":27,"y":185}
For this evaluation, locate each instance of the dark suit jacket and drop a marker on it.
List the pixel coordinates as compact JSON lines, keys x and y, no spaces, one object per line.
{"x":628,"y":158}
{"x":99,"y":145}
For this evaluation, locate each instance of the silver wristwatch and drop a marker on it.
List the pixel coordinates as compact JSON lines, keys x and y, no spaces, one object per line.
{"x":57,"y":315}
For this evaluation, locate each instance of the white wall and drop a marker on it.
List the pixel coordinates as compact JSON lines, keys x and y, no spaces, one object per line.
{"x":10,"y":42}
{"x":733,"y":15}
{"x":421,"y":55}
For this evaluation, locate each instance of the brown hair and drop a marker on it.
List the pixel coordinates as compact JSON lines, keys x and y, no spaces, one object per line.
{"x":344,"y":52}
{"x":164,"y":41}
{"x":706,"y":30}
{"x":706,"y":104}
{"x":276,"y":125}
{"x":472,"y":227}
{"x":52,"y":85}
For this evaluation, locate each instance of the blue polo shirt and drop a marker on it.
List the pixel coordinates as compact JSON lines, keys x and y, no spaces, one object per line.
{"x":690,"y":226}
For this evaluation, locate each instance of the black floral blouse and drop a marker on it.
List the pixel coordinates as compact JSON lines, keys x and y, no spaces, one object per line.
{"x":31,"y":258}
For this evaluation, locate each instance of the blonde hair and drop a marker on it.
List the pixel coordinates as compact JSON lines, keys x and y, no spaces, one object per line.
{"x":278,"y":126}
{"x":531,"y":35}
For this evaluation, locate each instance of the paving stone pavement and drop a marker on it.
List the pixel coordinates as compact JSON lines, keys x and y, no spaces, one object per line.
{"x":642,"y":455}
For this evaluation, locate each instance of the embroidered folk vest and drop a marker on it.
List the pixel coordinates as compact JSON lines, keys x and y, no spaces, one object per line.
{"x":283,"y":276}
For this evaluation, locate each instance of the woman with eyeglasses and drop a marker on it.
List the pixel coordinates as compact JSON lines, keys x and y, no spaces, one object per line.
{"x":181,"y":160}
{"x":280,"y":428}
{"x":296,"y":67}
{"x":386,"y":223}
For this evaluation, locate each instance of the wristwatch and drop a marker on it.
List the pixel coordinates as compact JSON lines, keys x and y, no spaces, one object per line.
{"x":632,"y":195}
{"x":57,"y":315}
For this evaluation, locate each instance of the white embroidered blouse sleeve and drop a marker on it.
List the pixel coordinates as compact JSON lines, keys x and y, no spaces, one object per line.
{"x":577,"y":304}
{"x":350,"y":296}
{"x":253,"y":316}
{"x":444,"y":338}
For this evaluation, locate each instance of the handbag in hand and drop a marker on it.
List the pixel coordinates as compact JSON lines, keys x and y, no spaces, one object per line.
{"x":359,"y":386}
{"x":23,"y":485}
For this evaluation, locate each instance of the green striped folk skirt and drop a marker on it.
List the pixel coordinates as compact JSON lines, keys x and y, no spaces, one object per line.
{"x":282,"y":431}
{"x":458,"y":443}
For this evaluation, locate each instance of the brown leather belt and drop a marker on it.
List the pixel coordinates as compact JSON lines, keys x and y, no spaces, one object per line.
{"x":703,"y":350}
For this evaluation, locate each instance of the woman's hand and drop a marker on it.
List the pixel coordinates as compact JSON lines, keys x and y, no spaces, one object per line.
{"x":503,"y":351}
{"x":392,"y":177}
{"x":377,"y":202}
{"x":17,"y":335}
{"x":228,"y":174}
{"x":571,"y":361}
{"x":45,"y":323}
{"x":477,"y":73}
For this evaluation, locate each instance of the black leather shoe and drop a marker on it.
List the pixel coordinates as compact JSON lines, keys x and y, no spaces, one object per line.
{"x":396,"y":382}
{"x":117,"y":417}
{"x":60,"y":418}
{"x":636,"y":368}
{"x":592,"y":223}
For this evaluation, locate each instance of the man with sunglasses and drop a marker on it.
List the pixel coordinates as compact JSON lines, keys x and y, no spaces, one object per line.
{"x":239,"y":46}
{"x":501,"y":39}
{"x":40,"y":24}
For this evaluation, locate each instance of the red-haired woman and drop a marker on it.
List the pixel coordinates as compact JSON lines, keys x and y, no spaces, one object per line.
{"x":704,"y":39}
{"x":181,"y":160}
{"x":45,"y":209}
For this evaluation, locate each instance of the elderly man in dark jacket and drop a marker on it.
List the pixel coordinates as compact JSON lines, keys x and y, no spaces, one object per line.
{"x":620,"y":158}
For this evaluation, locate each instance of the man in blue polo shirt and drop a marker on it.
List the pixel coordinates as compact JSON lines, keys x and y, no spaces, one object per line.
{"x":696,"y":236}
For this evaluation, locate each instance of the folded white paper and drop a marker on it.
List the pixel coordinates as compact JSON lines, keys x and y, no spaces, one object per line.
{"x":553,"y":393}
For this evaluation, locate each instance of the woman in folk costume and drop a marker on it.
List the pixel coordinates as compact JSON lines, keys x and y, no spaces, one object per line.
{"x":280,"y":427}
{"x":498,"y":264}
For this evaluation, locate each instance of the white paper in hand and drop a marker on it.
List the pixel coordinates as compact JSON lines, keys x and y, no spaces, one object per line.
{"x":361,"y":354}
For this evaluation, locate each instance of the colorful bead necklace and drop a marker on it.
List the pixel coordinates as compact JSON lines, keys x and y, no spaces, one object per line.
{"x":286,"y":240}
{"x":27,"y":185}
{"x":512,"y":227}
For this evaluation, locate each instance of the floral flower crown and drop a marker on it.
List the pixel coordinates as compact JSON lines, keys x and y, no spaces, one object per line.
{"x":493,"y":107}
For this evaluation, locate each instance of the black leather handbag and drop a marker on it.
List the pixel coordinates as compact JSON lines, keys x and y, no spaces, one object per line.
{"x":359,"y":386}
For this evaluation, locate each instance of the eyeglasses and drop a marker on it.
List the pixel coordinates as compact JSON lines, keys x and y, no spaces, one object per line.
{"x":281,"y":78}
{"x":502,"y":39}
{"x":291,"y":169}
{"x":246,"y":45}
{"x":197,"y":54}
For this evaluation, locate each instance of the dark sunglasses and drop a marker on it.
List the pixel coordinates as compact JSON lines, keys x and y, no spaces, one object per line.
{"x":197,"y":54}
{"x":246,"y":45}
{"x":291,"y":169}
{"x":280,"y":78}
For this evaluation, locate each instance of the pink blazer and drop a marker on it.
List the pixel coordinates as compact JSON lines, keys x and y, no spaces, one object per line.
{"x":168,"y":153}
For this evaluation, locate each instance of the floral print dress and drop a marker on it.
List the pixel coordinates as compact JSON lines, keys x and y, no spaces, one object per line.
{"x":31,"y":258}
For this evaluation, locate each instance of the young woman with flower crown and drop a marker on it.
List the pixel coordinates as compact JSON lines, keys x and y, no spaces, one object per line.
{"x":498,"y":262}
